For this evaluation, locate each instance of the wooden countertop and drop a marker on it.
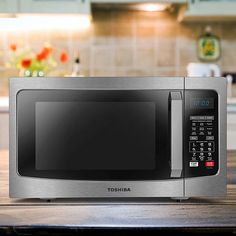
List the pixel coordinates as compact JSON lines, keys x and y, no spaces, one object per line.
{"x":164,"y":213}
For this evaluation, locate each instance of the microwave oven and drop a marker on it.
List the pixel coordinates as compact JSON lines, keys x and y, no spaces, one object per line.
{"x":127,"y":137}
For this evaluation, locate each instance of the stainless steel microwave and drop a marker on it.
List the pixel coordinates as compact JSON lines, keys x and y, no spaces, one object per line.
{"x":117,"y":137}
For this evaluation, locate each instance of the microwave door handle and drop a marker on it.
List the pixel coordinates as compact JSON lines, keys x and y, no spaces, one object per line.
{"x":176,"y":107}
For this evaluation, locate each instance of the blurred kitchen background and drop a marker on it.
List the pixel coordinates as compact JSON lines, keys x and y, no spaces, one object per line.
{"x":117,"y":38}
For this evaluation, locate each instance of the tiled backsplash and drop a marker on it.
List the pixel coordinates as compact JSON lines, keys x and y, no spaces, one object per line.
{"x":127,"y":43}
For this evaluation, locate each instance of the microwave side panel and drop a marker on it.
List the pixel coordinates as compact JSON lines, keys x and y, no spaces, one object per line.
{"x":211,"y":185}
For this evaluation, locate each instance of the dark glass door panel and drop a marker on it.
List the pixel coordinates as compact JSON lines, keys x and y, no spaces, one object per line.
{"x":94,"y":135}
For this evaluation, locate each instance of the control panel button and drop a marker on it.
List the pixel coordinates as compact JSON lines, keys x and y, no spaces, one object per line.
{"x":201,"y":158}
{"x":193,"y":164}
{"x":210,"y":144}
{"x":193,"y":144}
{"x":209,"y":117}
{"x":209,"y":137}
{"x":209,"y":163}
{"x":193,"y":137}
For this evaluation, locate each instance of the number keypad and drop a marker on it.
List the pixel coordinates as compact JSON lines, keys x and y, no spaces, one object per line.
{"x":201,"y":146}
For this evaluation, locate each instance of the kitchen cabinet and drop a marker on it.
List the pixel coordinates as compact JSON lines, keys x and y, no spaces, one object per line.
{"x":54,"y":6}
{"x":45,"y":6}
{"x":8,"y":6}
{"x":202,"y":10}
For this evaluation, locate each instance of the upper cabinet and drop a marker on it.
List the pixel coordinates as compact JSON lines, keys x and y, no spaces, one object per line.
{"x":202,"y":10}
{"x":45,"y":6}
{"x":54,"y":6}
{"x":7,"y":6}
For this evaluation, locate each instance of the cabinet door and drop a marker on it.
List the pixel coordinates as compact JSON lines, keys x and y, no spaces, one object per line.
{"x":7,"y":6}
{"x":54,"y":6}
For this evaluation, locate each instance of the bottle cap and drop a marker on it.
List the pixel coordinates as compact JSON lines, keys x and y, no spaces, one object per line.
{"x":77,"y":60}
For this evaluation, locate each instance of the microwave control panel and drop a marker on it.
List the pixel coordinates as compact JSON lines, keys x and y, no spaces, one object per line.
{"x":201,"y":133}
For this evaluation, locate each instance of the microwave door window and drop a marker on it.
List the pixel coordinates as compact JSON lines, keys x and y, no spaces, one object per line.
{"x":79,"y":136}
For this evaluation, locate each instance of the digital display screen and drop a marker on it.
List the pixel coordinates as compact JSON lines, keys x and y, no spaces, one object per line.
{"x":95,"y":135}
{"x":202,"y":103}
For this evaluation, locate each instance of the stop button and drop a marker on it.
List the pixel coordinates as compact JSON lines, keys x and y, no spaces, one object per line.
{"x":209,"y":163}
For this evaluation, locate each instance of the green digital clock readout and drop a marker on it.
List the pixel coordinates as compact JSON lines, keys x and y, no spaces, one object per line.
{"x":202,"y":103}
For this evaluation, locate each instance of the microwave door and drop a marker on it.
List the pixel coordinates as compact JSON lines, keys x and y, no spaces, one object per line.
{"x":176,"y":134}
{"x":100,"y":134}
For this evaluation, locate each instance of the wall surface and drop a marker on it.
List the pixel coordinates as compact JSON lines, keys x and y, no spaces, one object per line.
{"x":124,"y":43}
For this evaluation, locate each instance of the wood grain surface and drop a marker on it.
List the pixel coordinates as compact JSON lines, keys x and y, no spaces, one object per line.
{"x":164,"y":212}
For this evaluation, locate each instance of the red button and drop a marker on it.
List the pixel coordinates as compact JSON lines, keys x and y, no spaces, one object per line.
{"x":209,"y":163}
